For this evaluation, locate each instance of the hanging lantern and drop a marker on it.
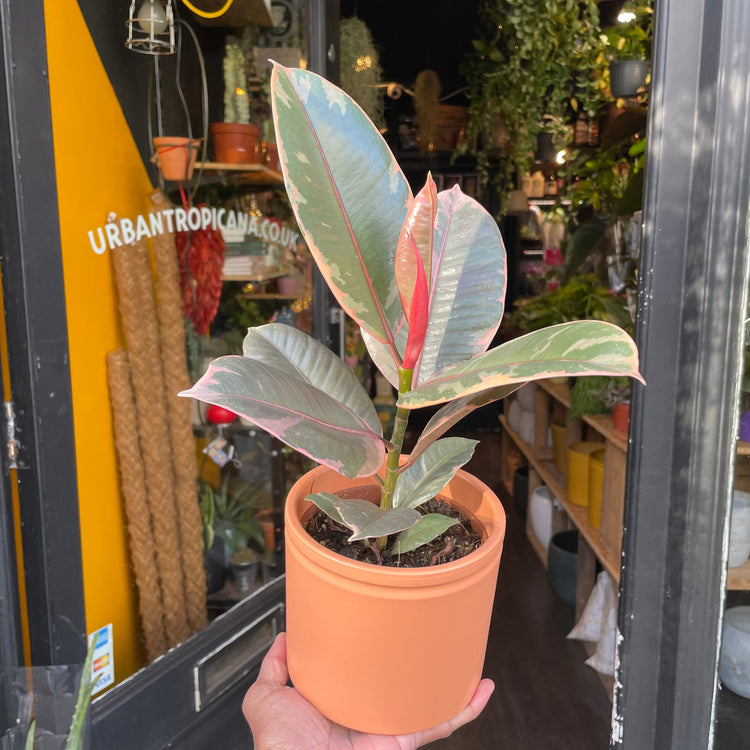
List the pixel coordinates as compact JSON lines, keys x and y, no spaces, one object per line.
{"x":151,"y":29}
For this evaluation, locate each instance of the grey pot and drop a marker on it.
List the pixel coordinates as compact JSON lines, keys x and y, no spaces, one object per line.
{"x":562,"y":565}
{"x":627,"y":76}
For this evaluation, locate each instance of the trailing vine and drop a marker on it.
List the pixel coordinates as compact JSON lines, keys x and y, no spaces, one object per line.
{"x":534,"y":68}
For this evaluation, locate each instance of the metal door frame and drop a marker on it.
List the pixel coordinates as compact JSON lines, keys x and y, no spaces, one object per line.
{"x":692,"y":306}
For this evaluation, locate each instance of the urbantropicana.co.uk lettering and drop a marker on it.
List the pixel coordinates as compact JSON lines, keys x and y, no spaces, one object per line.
{"x":126,"y":231}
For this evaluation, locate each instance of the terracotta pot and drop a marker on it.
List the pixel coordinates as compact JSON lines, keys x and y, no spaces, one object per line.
{"x":270,"y":154}
{"x":621,"y":417}
{"x":176,"y":156}
{"x":265,"y":518}
{"x":389,"y":650}
{"x":235,"y":143}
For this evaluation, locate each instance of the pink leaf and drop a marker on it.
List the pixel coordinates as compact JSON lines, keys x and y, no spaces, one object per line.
{"x":415,"y":242}
{"x":418,"y":316}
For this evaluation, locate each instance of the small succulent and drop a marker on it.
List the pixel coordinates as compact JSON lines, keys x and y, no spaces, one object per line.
{"x":424,"y":278}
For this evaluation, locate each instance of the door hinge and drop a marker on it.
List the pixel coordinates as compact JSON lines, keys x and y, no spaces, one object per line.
{"x":11,"y":444}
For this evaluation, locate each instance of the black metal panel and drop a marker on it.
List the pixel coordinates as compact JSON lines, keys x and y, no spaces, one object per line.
{"x":176,"y":701}
{"x":11,"y":641}
{"x":690,"y":334}
{"x":38,"y":341}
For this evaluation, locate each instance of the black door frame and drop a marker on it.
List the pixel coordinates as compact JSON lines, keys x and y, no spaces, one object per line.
{"x":36,"y":326}
{"x":692,"y":304}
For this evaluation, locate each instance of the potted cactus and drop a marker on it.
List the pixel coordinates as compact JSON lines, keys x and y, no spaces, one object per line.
{"x":382,"y":647}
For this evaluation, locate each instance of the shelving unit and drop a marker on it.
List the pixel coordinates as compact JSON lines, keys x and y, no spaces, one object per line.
{"x":552,"y":402}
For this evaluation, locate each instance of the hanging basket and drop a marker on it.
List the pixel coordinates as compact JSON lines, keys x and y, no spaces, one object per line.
{"x":176,"y":156}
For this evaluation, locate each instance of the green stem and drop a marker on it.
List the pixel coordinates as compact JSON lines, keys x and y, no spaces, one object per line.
{"x":397,"y":439}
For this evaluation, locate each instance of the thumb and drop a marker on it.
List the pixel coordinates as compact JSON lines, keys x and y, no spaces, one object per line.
{"x":273,"y":668}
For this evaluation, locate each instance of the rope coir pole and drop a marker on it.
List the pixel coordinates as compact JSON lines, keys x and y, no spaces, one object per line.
{"x":176,"y":379}
{"x":138,"y":313}
{"x":140,"y":533}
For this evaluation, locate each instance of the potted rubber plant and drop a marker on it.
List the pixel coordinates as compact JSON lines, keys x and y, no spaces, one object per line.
{"x":387,"y":648}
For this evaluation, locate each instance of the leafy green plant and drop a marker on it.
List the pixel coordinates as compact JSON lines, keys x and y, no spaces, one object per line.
{"x":597,"y":394}
{"x":536,"y":65}
{"x":424,"y":278}
{"x":608,"y":185}
{"x":631,"y":40}
{"x":229,"y":510}
{"x":581,"y":298}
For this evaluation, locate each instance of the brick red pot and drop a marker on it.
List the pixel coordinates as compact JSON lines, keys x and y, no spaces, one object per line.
{"x":235,"y":143}
{"x":389,"y":650}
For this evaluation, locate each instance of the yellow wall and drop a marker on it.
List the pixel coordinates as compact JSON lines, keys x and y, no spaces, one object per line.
{"x":99,"y":170}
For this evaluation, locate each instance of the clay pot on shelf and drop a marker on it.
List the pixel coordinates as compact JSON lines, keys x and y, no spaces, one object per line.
{"x":235,"y":143}
{"x":621,"y":417}
{"x":440,"y":613}
{"x":270,"y":155}
{"x":176,"y":156}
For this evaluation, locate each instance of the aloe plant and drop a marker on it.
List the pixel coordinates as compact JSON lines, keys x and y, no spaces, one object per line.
{"x":424,"y":277}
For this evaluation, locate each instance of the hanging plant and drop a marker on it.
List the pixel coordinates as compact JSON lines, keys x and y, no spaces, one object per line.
{"x":427,"y":107}
{"x":361,"y":72}
{"x":535,"y":67}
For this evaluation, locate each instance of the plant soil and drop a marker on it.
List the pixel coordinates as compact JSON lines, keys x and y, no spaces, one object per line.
{"x":457,"y":542}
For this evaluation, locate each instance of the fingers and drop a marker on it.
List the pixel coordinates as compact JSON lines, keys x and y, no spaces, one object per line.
{"x":476,"y":706}
{"x":273,"y":667}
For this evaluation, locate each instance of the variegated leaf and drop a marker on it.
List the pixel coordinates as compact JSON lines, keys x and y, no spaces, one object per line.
{"x":467,"y":288}
{"x":295,"y":353}
{"x":428,"y":528}
{"x":452,"y":413}
{"x":381,"y":354}
{"x":301,"y":415}
{"x":427,"y":476}
{"x":581,"y":347}
{"x":347,"y":192}
{"x":366,"y":520}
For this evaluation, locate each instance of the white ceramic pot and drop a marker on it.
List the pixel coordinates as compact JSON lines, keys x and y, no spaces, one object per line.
{"x":514,"y":415}
{"x":526,"y":429}
{"x":540,"y":512}
{"x":734,"y":665}
{"x":526,"y":396}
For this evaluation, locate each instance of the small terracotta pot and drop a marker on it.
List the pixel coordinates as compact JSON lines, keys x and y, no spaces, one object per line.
{"x":176,"y":157}
{"x":621,"y":417}
{"x":270,"y":155}
{"x":389,"y":650}
{"x":235,"y":143}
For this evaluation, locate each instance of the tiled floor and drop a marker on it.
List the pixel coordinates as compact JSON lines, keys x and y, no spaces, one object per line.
{"x":546,"y":697}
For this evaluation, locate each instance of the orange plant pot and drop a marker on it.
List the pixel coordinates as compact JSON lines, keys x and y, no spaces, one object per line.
{"x":389,"y":650}
{"x":621,"y":417}
{"x":235,"y":143}
{"x":176,"y":157}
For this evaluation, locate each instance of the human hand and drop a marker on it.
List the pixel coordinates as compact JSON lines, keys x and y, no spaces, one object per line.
{"x":281,"y":719}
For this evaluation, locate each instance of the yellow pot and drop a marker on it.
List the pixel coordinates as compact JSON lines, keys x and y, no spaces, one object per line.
{"x":596,"y":481}
{"x":578,"y":471}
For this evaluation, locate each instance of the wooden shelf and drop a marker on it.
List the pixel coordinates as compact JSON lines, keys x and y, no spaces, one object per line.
{"x":258,"y":174}
{"x":602,"y":423}
{"x":258,"y":277}
{"x":577,"y":514}
{"x":738,"y":579}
